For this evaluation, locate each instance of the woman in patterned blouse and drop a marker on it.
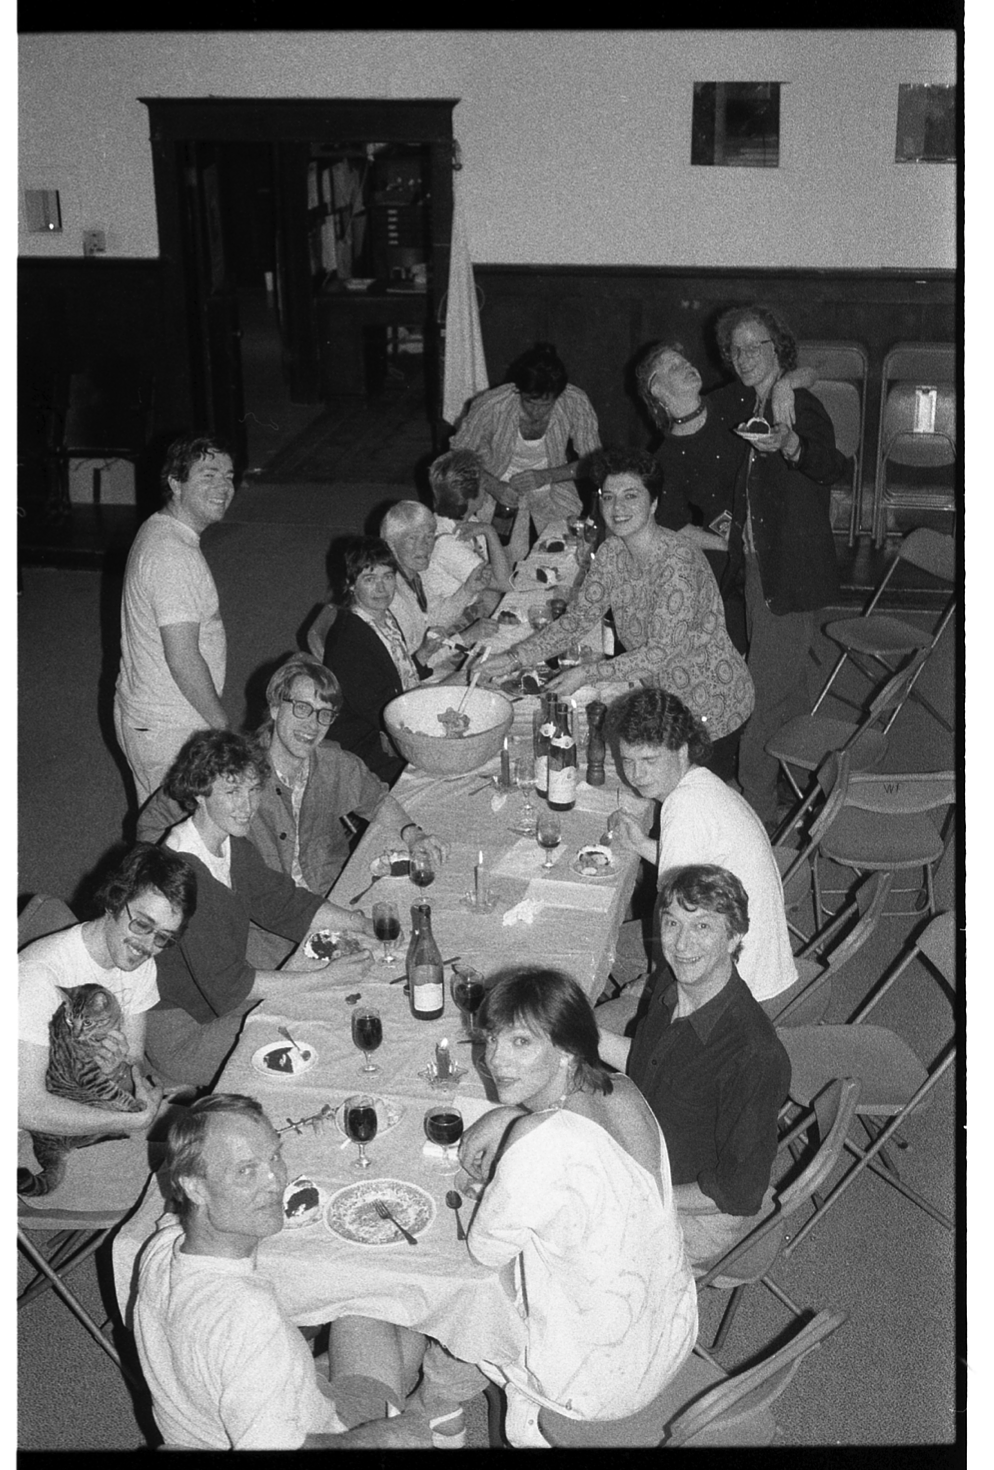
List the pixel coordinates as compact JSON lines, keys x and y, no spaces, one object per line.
{"x":666,"y":607}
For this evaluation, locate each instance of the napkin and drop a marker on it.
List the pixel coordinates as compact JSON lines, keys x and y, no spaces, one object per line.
{"x":524,"y":912}
{"x":523,"y":860}
{"x":550,"y":894}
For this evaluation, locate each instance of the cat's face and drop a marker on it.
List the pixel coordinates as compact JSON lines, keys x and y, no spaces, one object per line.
{"x":90,"y":1011}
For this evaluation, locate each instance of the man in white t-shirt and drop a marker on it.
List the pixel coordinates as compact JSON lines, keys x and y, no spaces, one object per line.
{"x":173,"y":650}
{"x":225,"y":1367}
{"x":146,"y":901}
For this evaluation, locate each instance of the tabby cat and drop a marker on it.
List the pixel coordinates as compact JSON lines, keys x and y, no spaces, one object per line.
{"x":78,"y":1071}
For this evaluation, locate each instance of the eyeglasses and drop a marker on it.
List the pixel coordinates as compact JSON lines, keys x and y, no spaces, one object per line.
{"x":303,"y":711}
{"x":754,"y":349}
{"x":144,"y":927}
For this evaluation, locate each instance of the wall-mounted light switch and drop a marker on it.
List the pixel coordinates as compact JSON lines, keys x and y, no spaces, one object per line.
{"x":94,"y":242}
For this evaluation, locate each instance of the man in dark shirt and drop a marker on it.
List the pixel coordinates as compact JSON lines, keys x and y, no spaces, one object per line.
{"x":708,"y":1061}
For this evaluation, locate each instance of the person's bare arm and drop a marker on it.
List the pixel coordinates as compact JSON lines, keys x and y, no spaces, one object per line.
{"x":408,"y":1431}
{"x":417,"y":839}
{"x":41,"y":1111}
{"x":181,"y":643}
{"x":702,"y":539}
{"x":613,"y":1049}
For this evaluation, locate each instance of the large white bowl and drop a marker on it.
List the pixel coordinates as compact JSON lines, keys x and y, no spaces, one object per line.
{"x":413,"y":725}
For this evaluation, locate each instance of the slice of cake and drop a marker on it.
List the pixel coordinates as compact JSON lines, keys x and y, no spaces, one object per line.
{"x":301,"y":1201}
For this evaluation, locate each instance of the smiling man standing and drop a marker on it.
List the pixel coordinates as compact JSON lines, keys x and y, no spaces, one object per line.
{"x":708,"y":1062}
{"x":173,"y":649}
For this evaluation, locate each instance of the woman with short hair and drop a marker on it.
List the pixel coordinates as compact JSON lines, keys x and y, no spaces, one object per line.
{"x":579,"y":1202}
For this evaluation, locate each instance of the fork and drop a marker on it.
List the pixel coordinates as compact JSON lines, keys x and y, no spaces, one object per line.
{"x":385,"y":1214}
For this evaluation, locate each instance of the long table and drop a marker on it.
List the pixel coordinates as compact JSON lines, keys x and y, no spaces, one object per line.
{"x":434,"y":1287}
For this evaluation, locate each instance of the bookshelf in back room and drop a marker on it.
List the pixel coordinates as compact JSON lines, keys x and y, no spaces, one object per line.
{"x":369,"y":207}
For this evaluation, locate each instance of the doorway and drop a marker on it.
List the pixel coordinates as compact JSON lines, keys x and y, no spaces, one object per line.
{"x":265,"y":322}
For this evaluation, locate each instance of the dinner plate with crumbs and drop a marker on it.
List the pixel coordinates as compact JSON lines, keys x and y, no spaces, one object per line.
{"x":388,"y":1115}
{"x":280,"y":1059}
{"x":329,"y":944}
{"x":351,"y":1212}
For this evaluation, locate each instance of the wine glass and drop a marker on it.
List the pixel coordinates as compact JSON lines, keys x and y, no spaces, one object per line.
{"x":360,"y":1124}
{"x":467,"y":991}
{"x":422,"y":869}
{"x":443,"y":1125}
{"x":539,"y":616}
{"x":386,"y":927}
{"x":367,"y":1034}
{"x":523,"y":775}
{"x":548,"y":834}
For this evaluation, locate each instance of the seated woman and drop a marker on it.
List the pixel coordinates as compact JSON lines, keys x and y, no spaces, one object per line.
{"x":463,"y":543}
{"x":666,"y":609}
{"x":595,"y":1249}
{"x":662,"y":751}
{"x":205,"y":983}
{"x":522,"y":432}
{"x":368,"y":654}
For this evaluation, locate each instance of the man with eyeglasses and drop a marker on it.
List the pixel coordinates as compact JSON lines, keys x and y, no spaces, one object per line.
{"x":146,"y":902}
{"x":299,"y":827}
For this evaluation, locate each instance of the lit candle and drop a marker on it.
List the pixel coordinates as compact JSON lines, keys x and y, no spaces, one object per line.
{"x":477,"y":876}
{"x":443,"y":1060}
{"x":505,"y":768}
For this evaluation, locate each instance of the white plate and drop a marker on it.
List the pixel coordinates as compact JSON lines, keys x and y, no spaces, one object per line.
{"x":751,"y":438}
{"x":611,"y":871}
{"x":388,"y":1115}
{"x":359,"y":952}
{"x":351,"y":1214}
{"x":310,"y":1216}
{"x":301,"y":1064}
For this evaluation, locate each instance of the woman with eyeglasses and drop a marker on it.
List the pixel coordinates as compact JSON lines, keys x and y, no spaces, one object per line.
{"x":206,"y":983}
{"x":665,"y":604}
{"x":522,"y":432}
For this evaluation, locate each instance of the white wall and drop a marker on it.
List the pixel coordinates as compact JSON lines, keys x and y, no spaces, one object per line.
{"x":576,"y":145}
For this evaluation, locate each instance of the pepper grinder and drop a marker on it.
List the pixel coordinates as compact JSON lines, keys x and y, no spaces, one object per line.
{"x":596,"y":747}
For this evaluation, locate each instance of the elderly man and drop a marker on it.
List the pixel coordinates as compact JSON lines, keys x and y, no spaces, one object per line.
{"x":225,"y":1366}
{"x":314,"y":784}
{"x":173,"y":649}
{"x":146,"y":902}
{"x":708,"y":1062}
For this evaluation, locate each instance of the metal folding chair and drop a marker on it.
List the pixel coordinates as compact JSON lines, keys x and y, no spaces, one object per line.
{"x":842,"y":368}
{"x":917,"y":431}
{"x":832,"y":1109}
{"x":830,"y":950}
{"x":875,"y":642}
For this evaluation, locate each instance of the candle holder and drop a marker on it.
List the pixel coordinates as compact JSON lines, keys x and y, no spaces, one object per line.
{"x":482,"y":900}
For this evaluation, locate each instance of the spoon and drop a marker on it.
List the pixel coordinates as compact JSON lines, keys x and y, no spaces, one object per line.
{"x":454,"y":1199}
{"x":286,"y":1035}
{"x":354,"y":901}
{"x":469,"y":689}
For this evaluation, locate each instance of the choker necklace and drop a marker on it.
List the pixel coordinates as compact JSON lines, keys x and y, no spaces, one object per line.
{"x":701,"y":408}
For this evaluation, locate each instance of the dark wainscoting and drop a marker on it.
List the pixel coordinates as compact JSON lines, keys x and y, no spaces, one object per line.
{"x":600,"y":318}
{"x":75,"y":313}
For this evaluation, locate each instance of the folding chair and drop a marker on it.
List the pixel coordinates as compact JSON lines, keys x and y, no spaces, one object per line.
{"x":818,"y":966}
{"x":832,"y":1108}
{"x":892,"y":1081}
{"x":875,"y":641}
{"x":807,"y":740}
{"x":71,"y":1237}
{"x":917,"y":431}
{"x":879,"y":821}
{"x":842,"y":368}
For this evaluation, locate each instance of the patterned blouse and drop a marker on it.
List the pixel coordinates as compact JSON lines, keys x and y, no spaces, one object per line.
{"x":670,"y":618}
{"x":389,"y":634}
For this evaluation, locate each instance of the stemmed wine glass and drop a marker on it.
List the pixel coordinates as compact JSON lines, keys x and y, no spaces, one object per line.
{"x":360,"y":1125}
{"x":422,"y":869}
{"x":523,"y":776}
{"x":443,"y":1125}
{"x":367,"y":1034}
{"x":548,"y":834}
{"x":386,"y":927}
{"x":468,"y":991}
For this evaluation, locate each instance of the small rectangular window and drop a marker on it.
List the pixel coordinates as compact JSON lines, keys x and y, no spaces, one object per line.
{"x":926,"y":123}
{"x":736,"y":124}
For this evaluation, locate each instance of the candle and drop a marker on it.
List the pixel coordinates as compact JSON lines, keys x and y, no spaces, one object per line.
{"x":505,"y":769}
{"x":477,"y":876}
{"x":443,"y":1060}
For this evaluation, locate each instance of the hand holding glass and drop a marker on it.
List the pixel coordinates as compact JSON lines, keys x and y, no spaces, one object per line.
{"x":422,"y":869}
{"x":360,"y":1125}
{"x":539,"y":616}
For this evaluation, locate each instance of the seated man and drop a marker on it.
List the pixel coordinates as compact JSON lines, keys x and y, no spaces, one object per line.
{"x":226,"y":1368}
{"x":708,"y":1062}
{"x":314,"y":784}
{"x":146,"y":901}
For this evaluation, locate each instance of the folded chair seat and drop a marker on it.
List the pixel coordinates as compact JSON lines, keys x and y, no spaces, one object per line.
{"x":889,"y":1072}
{"x":878,"y":634}
{"x":868,"y":840}
{"x":806,"y":740}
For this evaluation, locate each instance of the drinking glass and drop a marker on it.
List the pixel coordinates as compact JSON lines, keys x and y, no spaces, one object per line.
{"x":422,"y":869}
{"x":539,"y":616}
{"x":523,"y":776}
{"x":570,"y":657}
{"x":386,"y":927}
{"x":360,"y":1124}
{"x":367,"y":1034}
{"x":443,"y":1125}
{"x":548,"y":834}
{"x":467,"y":991}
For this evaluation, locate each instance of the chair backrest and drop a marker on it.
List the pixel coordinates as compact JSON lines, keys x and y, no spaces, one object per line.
{"x":920,"y":362}
{"x":42,"y":915}
{"x":900,"y":794}
{"x":938,"y":944}
{"x":918,"y":429}
{"x":842,"y":403}
{"x":930,"y":550}
{"x":891,"y":695}
{"x":747,"y":1394}
{"x":845,"y":361}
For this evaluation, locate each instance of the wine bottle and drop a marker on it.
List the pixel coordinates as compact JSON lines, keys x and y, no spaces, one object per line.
{"x":562,"y":763}
{"x":543,"y":734}
{"x":424,"y":967}
{"x":596,"y":745}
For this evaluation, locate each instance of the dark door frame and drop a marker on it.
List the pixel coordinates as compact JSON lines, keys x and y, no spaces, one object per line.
{"x":175,"y":122}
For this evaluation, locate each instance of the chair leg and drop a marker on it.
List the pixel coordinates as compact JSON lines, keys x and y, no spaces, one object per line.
{"x":831,"y":680}
{"x":72,"y":1248}
{"x":728,"y":1316}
